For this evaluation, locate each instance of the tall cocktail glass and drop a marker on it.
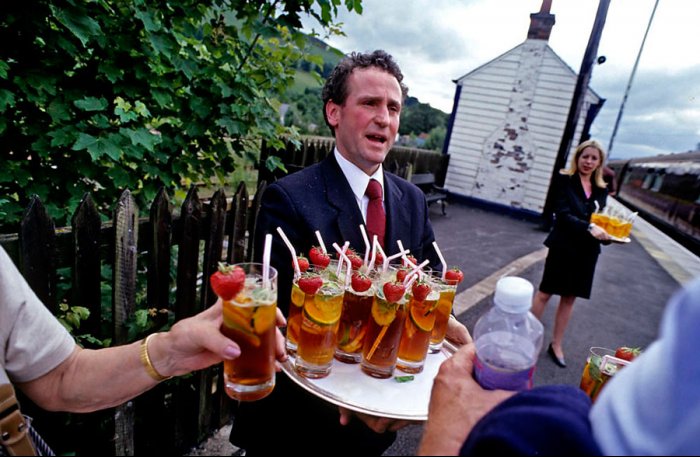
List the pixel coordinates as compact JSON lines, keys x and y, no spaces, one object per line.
{"x":353,"y":322}
{"x":601,"y":365}
{"x":447,"y":290}
{"x":318,"y":332}
{"x":249,"y":320}
{"x":418,"y":327}
{"x":381,"y":346}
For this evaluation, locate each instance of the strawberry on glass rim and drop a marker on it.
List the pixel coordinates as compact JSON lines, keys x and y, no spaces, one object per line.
{"x":227,"y":281}
{"x":319,"y":258}
{"x":360,"y":282}
{"x":309,"y":283}
{"x":303,"y":263}
{"x":454,"y":276}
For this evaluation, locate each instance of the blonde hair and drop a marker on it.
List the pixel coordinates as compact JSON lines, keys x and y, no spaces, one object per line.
{"x":598,"y":172}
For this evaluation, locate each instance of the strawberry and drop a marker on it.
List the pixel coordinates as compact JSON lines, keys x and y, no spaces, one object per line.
{"x":228,"y":281}
{"x":360,"y":282}
{"x":356,"y":261}
{"x":393,"y":291}
{"x":420,"y":290}
{"x":412,"y":259}
{"x":309,"y":283}
{"x":318,"y":257}
{"x":401,"y":274}
{"x":378,"y":258}
{"x":454,"y":276}
{"x":626,"y":353}
{"x":303,"y":263}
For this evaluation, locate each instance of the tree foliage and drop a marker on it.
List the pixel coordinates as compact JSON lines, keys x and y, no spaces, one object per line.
{"x":104,"y":95}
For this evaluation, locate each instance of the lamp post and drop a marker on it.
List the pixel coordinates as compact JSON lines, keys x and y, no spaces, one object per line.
{"x":584,"y":76}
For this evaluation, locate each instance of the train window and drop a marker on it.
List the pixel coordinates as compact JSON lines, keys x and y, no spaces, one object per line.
{"x":658,"y":182}
{"x":648,"y":180}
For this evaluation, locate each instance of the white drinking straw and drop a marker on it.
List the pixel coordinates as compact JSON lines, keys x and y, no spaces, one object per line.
{"x":442,"y":260}
{"x":344,"y":257}
{"x":320,"y":242}
{"x":266,"y":262}
{"x":385,"y":264}
{"x":375,"y":243}
{"x":406,"y":252}
{"x":367,"y":247}
{"x":297,"y":271}
{"x":396,"y":256}
{"x":416,"y":271}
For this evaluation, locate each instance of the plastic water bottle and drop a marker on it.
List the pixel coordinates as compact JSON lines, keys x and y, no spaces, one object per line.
{"x":508,"y":338}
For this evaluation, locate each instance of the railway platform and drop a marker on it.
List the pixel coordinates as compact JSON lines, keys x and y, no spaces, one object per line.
{"x":632,"y":285}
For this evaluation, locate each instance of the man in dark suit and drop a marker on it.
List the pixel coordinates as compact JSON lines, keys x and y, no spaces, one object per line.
{"x":362,"y":104}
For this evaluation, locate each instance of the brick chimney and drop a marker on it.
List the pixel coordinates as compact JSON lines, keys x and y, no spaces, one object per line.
{"x":541,"y":23}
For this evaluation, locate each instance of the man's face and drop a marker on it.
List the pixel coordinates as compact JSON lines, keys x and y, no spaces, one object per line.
{"x":367,"y":123}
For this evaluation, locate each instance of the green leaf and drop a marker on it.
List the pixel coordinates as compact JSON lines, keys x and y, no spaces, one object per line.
{"x":141,"y":317}
{"x":58,"y":111}
{"x":404,"y":378}
{"x":80,"y":25}
{"x":91,"y":104}
{"x":3,"y":69}
{"x":84,"y":141}
{"x":7,"y":100}
{"x":102,"y":147}
{"x":142,"y":137}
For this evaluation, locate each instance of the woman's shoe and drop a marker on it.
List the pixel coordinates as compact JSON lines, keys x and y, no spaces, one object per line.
{"x":558,"y":360}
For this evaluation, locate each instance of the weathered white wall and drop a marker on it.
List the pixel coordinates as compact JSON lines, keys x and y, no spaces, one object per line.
{"x":508,"y":125}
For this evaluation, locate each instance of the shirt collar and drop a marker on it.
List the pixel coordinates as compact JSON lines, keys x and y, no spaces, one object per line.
{"x":357,"y":178}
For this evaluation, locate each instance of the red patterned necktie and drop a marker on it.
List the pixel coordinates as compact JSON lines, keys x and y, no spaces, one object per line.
{"x":376,"y":218}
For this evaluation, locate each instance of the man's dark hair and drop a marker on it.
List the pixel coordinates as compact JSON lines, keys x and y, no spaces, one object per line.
{"x":336,"y":87}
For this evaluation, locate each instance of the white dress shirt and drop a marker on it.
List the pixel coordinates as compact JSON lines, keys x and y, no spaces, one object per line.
{"x":358,"y":180}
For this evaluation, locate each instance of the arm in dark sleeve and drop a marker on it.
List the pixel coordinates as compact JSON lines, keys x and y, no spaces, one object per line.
{"x":565,"y":207}
{"x":278,"y":210}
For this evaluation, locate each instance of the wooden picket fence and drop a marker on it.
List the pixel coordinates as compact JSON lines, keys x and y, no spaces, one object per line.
{"x":178,"y":413}
{"x":181,"y":412}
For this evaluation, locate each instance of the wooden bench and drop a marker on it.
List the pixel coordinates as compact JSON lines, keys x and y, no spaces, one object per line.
{"x":433,"y":193}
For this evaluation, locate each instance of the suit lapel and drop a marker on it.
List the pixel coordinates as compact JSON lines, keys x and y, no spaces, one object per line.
{"x":397,"y":215}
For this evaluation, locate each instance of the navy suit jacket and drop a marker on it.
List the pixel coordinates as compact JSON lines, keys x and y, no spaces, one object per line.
{"x":319,"y":197}
{"x":573,"y":214}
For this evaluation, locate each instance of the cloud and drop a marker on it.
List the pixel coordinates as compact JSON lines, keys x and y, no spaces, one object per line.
{"x":437,"y":41}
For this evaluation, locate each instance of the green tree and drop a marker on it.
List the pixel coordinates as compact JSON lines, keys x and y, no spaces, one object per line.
{"x":436,"y":138}
{"x":419,"y":117}
{"x":104,"y":95}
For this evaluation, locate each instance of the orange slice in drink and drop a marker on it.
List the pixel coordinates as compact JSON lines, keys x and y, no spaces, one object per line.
{"x":263,"y":318}
{"x":383,"y":313}
{"x":239,"y":320}
{"x":423,"y":318}
{"x":325,"y":309}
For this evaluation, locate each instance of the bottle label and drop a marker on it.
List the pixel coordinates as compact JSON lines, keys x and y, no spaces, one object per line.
{"x":492,"y":377}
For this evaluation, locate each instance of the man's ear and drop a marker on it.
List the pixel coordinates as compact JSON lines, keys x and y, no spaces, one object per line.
{"x":332,"y":113}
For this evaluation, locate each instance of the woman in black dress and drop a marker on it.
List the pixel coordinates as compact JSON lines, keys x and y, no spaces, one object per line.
{"x":574,"y":243}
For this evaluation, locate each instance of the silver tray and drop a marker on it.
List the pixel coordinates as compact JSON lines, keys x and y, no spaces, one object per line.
{"x":349,"y":387}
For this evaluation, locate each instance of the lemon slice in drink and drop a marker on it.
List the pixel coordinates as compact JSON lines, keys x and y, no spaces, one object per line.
{"x":297,"y":296}
{"x":383,"y":313}
{"x":263,"y":318}
{"x":239,"y":320}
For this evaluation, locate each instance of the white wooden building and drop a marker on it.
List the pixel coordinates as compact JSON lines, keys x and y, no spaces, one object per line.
{"x":508,"y":119}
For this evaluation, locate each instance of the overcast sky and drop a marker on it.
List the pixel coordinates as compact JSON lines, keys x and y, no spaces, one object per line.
{"x":438,"y":41}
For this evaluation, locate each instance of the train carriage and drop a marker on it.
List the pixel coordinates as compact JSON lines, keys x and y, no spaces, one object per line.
{"x":666,"y":192}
